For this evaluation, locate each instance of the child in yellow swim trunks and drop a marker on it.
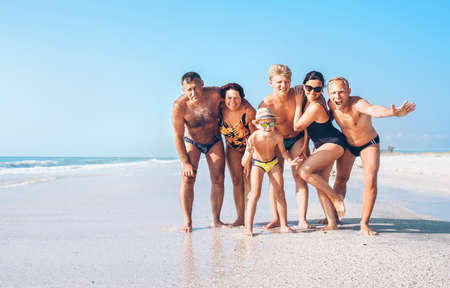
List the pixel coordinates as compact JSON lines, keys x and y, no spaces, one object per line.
{"x":260,"y":152}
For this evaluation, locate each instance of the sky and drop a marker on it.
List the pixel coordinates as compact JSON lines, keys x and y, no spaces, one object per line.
{"x":98,"y":78}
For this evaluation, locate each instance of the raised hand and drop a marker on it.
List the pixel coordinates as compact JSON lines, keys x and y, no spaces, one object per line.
{"x":404,"y":109}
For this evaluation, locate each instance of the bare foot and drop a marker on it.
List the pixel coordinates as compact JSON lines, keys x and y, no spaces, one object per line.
{"x":248,"y":232}
{"x":340,"y":208}
{"x":274,"y":223}
{"x":329,"y":227}
{"x":187,"y":229}
{"x":238,"y":222}
{"x":365,"y":229}
{"x":287,"y":229}
{"x":324,"y":221}
{"x":304,"y":224}
{"x":219,"y":224}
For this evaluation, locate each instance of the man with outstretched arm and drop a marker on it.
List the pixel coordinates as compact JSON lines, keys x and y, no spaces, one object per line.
{"x":195,"y":116}
{"x":354,"y":115}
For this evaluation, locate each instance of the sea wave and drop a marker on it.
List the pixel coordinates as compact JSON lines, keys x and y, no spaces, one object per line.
{"x":29,"y":163}
{"x":164,"y":161}
{"x":62,"y":169}
{"x":17,"y":171}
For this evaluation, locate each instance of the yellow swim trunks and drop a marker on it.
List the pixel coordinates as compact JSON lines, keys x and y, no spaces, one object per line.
{"x":266,"y":166}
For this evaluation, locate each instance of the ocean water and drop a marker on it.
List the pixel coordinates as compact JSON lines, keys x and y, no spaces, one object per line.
{"x":25,"y":171}
{"x":19,"y":171}
{"x":412,"y":151}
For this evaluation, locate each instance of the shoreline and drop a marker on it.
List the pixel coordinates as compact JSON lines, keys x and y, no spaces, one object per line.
{"x":120,"y":228}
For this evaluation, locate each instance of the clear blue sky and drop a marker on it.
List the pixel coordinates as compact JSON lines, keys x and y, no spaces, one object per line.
{"x":98,"y":78}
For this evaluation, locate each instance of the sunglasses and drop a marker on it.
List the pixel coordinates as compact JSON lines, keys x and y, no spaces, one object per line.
{"x":267,"y":124}
{"x":316,"y":89}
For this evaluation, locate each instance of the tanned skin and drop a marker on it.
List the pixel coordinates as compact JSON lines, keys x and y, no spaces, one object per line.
{"x":261,"y":146}
{"x":316,"y":169}
{"x":282,"y":102}
{"x":354,"y":115}
{"x":232,"y":110}
{"x":195,"y":115}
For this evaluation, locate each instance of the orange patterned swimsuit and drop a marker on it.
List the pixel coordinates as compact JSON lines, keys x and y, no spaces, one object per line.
{"x":236,"y":136}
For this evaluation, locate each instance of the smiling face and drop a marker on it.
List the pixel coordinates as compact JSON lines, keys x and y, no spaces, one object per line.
{"x":280,"y":84}
{"x":193,"y":90}
{"x":313,"y":89}
{"x":339,"y":93}
{"x":232,"y":99}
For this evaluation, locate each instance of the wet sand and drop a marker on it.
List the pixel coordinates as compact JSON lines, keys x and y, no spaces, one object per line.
{"x":121,"y":229}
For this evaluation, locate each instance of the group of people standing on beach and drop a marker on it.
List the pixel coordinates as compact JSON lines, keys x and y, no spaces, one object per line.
{"x":259,"y":142}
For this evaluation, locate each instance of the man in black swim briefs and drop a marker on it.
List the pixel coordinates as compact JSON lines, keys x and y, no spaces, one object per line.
{"x":289,"y":142}
{"x":195,"y":116}
{"x":282,"y":102}
{"x":354,"y":115}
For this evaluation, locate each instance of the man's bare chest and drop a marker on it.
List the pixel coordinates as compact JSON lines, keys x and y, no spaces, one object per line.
{"x":285,"y":113}
{"x":201,"y":116}
{"x":347,"y":120}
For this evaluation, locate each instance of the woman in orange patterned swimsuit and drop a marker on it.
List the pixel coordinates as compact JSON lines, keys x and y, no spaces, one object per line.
{"x":236,"y":125}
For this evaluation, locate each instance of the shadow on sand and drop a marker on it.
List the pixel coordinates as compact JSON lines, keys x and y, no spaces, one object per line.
{"x":386,"y":225}
{"x":380,"y":225}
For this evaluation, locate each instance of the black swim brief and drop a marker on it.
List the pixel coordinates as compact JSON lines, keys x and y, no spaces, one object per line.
{"x":204,"y":148}
{"x":357,"y":150}
{"x":289,"y":142}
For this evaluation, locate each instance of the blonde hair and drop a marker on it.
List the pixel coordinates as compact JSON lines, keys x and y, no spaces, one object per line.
{"x":279,"y":69}
{"x":339,"y":79}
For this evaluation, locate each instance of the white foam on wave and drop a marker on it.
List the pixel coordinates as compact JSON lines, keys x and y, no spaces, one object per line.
{"x":37,"y":170}
{"x":167,"y":161}
{"x":20,"y":176}
{"x":24,"y":182}
{"x":78,"y":168}
{"x":29,"y":163}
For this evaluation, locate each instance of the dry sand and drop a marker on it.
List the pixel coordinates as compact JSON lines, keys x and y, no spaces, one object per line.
{"x":120,"y":229}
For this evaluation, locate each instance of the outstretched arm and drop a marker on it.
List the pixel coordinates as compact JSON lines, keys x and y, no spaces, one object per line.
{"x":380,"y":111}
{"x":178,"y":127}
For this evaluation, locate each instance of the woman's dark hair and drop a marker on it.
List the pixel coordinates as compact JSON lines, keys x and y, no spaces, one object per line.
{"x":314,"y":75}
{"x":234,"y":86}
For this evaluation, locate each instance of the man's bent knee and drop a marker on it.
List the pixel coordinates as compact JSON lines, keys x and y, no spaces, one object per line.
{"x":237,"y":180}
{"x":305,"y":172}
{"x":217,"y":179}
{"x":188,"y":180}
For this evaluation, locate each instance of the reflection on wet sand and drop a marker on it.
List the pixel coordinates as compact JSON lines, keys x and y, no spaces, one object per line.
{"x":218,"y":261}
{"x":210,"y":258}
{"x":188,"y":264}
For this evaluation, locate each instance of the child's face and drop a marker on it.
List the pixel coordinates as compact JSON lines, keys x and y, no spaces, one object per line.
{"x":268,"y":125}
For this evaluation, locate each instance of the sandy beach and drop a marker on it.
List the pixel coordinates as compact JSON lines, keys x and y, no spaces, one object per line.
{"x":119,"y":227}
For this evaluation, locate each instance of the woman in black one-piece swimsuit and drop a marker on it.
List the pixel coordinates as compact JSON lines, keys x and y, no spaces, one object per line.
{"x":329,"y":145}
